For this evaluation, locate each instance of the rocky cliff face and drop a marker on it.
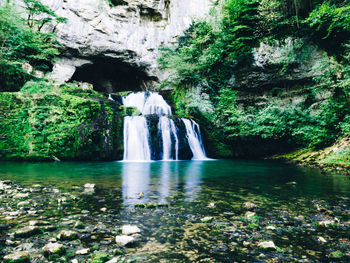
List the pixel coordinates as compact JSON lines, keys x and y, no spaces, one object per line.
{"x":116,"y":48}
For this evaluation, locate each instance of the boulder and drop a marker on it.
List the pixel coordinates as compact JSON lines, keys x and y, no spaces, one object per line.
{"x":124,"y":240}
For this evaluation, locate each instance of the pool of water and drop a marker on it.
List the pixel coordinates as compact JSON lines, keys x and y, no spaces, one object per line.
{"x":160,"y":178}
{"x":168,"y":201}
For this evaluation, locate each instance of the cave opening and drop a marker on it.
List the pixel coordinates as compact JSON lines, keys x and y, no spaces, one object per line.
{"x":111,"y":75}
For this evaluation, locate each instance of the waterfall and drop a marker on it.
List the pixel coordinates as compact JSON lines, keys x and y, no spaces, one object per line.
{"x":136,"y":139}
{"x":167,"y":128}
{"x":194,"y":137}
{"x":139,"y":146}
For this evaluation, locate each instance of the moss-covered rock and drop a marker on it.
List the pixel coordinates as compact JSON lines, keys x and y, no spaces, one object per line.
{"x":67,"y":123}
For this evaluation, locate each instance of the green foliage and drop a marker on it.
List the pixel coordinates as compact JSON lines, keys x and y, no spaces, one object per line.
{"x":209,"y":47}
{"x":296,"y":125}
{"x":40,"y":15}
{"x":32,"y":87}
{"x":37,"y":126}
{"x":330,"y":21}
{"x":19,"y":44}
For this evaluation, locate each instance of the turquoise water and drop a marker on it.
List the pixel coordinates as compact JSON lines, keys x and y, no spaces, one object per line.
{"x":175,"y":198}
{"x":161,"y":177}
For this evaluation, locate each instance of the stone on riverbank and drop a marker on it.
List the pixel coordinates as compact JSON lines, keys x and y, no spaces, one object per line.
{"x":27,"y":231}
{"x":54,"y":248}
{"x":17,"y":257}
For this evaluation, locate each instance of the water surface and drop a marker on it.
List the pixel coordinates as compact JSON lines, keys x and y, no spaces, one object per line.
{"x":168,"y":201}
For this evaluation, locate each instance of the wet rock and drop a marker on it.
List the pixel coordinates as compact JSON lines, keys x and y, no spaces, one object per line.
{"x":249,"y":206}
{"x":211,"y":205}
{"x":38,"y":223}
{"x":54,"y":248}
{"x":67,"y":235}
{"x":321,"y":240}
{"x":21,"y":195}
{"x":79,"y":225}
{"x":326,"y":223}
{"x":124,"y":240}
{"x":27,"y":231}
{"x":84,"y":251}
{"x":249,"y":215}
{"x":129,"y":230}
{"x":267,"y":245}
{"x":207,"y":219}
{"x":17,"y":257}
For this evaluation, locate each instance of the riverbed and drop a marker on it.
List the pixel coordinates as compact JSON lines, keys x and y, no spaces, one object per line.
{"x":184,"y":211}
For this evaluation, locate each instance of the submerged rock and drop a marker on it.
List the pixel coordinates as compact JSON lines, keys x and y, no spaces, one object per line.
{"x":249,"y":206}
{"x":67,"y":235}
{"x":249,"y":215}
{"x":129,"y":230}
{"x":207,"y":219}
{"x":84,"y":251}
{"x":267,"y":245}
{"x":124,"y":240}
{"x":326,"y":223}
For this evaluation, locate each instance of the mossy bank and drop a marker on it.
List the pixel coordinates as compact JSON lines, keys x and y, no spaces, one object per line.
{"x":66,"y":123}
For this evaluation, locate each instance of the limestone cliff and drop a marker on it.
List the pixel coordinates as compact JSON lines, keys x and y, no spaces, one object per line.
{"x":116,"y":48}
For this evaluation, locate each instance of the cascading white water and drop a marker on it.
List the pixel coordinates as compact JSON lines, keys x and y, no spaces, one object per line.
{"x":136,"y":133}
{"x":195,"y":139}
{"x":167,"y":128}
{"x":147,"y":103}
{"x":136,"y":139}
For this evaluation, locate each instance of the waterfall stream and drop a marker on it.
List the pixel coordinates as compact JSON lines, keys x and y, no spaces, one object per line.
{"x":138,"y":143}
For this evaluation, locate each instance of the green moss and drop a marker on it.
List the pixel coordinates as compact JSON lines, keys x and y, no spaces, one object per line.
{"x":99,"y":257}
{"x":336,"y":254}
{"x":59,"y":124}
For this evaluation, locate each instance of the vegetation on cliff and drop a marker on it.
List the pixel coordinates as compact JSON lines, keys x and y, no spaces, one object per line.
{"x":22,"y":42}
{"x":215,"y":52}
{"x":64,"y":122}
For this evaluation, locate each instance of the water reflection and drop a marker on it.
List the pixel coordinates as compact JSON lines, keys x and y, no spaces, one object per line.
{"x":136,"y":180}
{"x":159,"y":180}
{"x":193,"y":180}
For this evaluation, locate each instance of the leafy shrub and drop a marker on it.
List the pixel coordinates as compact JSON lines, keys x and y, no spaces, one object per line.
{"x":22,"y":43}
